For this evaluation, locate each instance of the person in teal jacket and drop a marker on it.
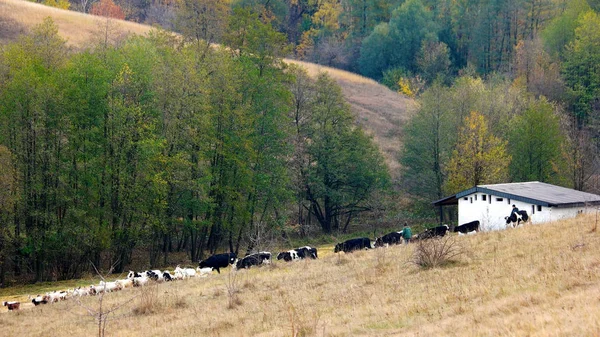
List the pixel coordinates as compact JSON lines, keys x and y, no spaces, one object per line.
{"x":406,"y":233}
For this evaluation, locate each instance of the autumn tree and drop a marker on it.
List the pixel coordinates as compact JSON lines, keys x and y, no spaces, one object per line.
{"x":107,"y":8}
{"x":479,"y":157}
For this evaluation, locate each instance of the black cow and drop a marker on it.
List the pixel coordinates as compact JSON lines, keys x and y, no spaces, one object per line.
{"x":298,"y":254}
{"x":218,"y":261}
{"x":467,"y":227}
{"x":254,"y":260}
{"x":433,"y":232}
{"x":352,"y":245}
{"x":393,"y":238}
{"x":516,"y":219}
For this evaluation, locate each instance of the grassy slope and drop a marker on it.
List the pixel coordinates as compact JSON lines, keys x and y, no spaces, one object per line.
{"x":528,"y":281}
{"x":380,"y":110}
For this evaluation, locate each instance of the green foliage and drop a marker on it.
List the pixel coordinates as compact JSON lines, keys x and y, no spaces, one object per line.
{"x":561,"y":30}
{"x":428,"y":145}
{"x":582,"y":70}
{"x":535,"y":144}
{"x":397,"y":43}
{"x":343,"y":167}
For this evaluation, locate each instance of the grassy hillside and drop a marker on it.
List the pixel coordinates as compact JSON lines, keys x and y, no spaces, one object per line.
{"x":380,"y":110}
{"x":539,"y":280}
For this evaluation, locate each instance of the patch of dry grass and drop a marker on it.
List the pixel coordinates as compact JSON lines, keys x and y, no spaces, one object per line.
{"x":526,"y":281}
{"x":78,"y":28}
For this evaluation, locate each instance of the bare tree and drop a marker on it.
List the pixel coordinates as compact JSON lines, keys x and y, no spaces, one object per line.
{"x":100,"y":312}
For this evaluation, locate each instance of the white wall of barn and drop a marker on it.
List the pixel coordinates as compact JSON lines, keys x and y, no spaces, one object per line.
{"x":490,"y":210}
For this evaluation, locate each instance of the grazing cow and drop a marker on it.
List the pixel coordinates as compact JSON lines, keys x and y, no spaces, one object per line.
{"x":467,"y":227}
{"x":352,"y":245}
{"x":516,"y":218}
{"x":433,"y":232}
{"x":254,"y":260}
{"x":12,"y":305}
{"x":393,"y":238}
{"x":288,"y":256}
{"x":218,"y":261}
{"x":298,"y":254}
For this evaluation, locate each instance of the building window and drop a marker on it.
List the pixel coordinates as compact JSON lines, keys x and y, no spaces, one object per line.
{"x":475,"y":197}
{"x":499,"y":199}
{"x":465,"y":198}
{"x":539,"y":208}
{"x":471,"y":199}
{"x":490,"y":198}
{"x":508,"y":201}
{"x":532,"y":209}
{"x":483,"y":197}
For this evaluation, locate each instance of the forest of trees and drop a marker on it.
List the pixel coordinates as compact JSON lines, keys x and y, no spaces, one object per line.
{"x":165,"y":144}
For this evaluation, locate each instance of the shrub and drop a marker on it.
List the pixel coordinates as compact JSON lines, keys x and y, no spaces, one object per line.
{"x":436,"y":252}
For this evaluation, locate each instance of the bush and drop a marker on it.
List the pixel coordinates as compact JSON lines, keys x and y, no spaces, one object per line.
{"x":436,"y":252}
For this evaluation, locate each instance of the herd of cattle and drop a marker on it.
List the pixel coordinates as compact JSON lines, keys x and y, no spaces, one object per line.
{"x":218,"y":261}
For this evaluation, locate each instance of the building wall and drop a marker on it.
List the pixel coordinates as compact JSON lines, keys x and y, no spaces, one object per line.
{"x":491,"y":213}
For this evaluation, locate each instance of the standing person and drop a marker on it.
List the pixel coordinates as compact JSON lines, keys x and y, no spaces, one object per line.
{"x":514,"y":210}
{"x":406,"y":233}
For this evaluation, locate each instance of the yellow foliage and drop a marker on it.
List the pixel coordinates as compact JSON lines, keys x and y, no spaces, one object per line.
{"x":479,"y":157}
{"x":404,"y":87}
{"x":62,"y":4}
{"x":328,"y":14}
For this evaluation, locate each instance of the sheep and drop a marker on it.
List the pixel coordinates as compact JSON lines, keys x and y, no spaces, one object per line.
{"x":56,"y":296}
{"x":203,"y":272}
{"x":125,"y":283}
{"x":110,"y":286}
{"x":187,"y":272}
{"x":140,"y":281}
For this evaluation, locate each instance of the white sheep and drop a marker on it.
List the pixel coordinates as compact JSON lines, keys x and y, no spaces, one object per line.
{"x":203,"y":272}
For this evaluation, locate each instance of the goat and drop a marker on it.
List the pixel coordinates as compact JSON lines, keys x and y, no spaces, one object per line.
{"x":12,"y":305}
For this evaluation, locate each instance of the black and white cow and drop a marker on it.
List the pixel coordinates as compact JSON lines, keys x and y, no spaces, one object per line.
{"x":433,"y":232}
{"x":298,"y":254}
{"x":516,"y":218}
{"x":218,"y":261}
{"x":253,"y":260}
{"x":467,"y":227}
{"x":352,"y":245}
{"x":393,"y":238}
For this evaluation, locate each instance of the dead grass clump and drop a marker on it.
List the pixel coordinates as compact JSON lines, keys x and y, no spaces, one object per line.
{"x":232,"y":284}
{"x":302,"y":322}
{"x":341,"y":259}
{"x":437,"y":252}
{"x":147,"y":301}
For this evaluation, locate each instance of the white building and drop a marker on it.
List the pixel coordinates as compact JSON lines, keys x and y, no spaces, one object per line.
{"x":543,"y":202}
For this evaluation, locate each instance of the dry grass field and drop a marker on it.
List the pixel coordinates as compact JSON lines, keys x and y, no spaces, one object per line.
{"x":538,"y":280}
{"x":380,"y":110}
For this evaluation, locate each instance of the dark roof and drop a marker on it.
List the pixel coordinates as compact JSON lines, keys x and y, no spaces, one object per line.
{"x":533,"y":192}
